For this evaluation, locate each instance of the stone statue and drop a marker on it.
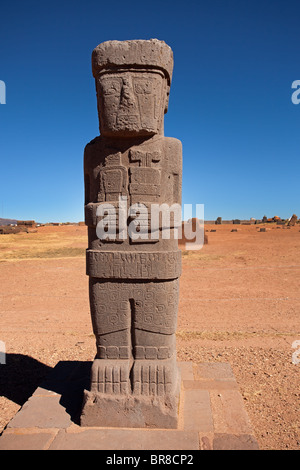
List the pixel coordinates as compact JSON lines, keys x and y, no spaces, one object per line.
{"x":134,"y":281}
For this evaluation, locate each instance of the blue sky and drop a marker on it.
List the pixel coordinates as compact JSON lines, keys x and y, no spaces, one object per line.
{"x":230,"y":102}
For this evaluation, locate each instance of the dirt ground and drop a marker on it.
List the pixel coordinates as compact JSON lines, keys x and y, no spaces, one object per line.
{"x":239,"y":303}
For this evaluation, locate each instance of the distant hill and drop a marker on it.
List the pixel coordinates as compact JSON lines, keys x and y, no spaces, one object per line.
{"x":7,"y":221}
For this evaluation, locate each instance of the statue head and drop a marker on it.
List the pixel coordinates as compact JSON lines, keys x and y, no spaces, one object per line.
{"x":133,"y":81}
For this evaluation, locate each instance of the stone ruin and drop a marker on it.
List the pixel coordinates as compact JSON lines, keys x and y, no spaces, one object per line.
{"x":133,"y":283}
{"x":292,"y":221}
{"x":18,"y":227}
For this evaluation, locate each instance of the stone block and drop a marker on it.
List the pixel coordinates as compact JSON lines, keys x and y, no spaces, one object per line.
{"x":41,"y":412}
{"x":197,"y":411}
{"x":213,"y":370}
{"x":23,"y":440}
{"x":234,"y":442}
{"x":126,"y":439}
{"x":230,"y":414}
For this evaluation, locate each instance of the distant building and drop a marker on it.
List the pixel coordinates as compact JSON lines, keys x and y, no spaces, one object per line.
{"x":26,"y":223}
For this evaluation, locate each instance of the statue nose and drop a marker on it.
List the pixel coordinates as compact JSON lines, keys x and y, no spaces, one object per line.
{"x":127,"y":94}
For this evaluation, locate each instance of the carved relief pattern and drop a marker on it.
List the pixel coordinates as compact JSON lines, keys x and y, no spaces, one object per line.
{"x":148,"y":306}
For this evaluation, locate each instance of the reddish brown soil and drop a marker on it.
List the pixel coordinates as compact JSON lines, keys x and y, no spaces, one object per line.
{"x":239,"y":303}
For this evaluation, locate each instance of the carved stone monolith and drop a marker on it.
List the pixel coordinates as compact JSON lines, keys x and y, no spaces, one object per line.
{"x":133,"y":271}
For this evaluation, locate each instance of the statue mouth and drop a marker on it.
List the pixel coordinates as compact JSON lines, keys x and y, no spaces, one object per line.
{"x":130,"y":121}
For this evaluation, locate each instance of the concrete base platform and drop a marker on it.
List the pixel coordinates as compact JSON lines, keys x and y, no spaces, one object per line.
{"x":211,"y":415}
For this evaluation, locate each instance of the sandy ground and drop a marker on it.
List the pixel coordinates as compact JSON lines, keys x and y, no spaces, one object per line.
{"x":239,"y":303}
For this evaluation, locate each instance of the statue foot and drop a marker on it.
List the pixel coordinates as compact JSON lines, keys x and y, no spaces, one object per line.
{"x":154,"y":378}
{"x":111,"y":376}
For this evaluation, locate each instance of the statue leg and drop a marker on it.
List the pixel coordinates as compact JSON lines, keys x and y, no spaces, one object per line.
{"x":135,"y":380}
{"x":111,"y":318}
{"x":154,"y":370}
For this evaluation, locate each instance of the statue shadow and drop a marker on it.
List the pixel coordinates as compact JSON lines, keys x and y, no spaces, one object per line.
{"x":22,"y":375}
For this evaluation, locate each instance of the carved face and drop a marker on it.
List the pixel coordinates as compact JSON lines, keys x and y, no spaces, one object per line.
{"x":131,"y":102}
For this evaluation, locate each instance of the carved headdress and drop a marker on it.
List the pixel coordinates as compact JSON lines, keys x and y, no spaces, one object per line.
{"x":133,"y":54}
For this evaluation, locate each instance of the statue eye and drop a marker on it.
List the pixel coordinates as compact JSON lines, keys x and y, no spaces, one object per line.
{"x":111,"y":87}
{"x":143,"y":87}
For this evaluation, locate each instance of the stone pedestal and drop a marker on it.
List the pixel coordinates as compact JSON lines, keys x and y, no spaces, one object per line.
{"x":150,"y":410}
{"x":211,"y":416}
